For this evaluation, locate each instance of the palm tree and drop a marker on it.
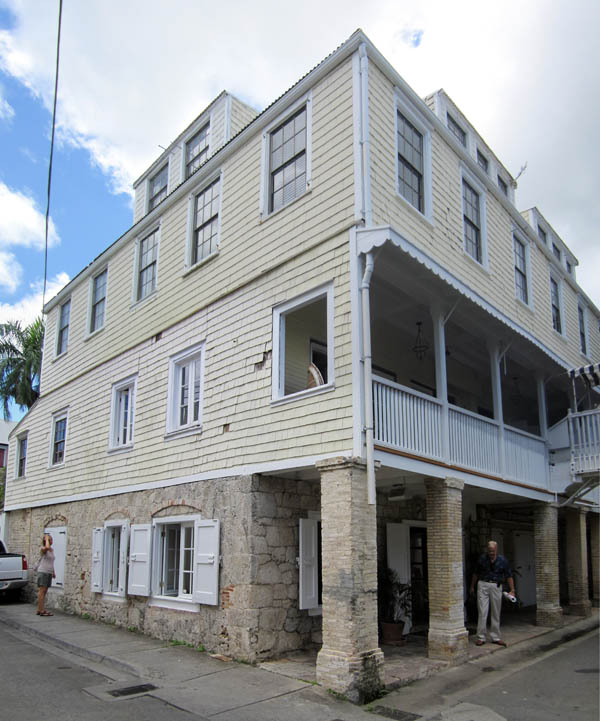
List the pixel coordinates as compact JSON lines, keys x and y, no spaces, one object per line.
{"x":20,"y":363}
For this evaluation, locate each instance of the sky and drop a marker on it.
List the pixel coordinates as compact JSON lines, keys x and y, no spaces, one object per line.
{"x":135,"y":73}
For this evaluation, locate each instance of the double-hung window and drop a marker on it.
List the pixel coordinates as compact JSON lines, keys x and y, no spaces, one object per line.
{"x":521,"y":283}
{"x":109,"y":557}
{"x":205,"y":223}
{"x":582,"y":328}
{"x":472,"y":221}
{"x":543,"y":236}
{"x":184,"y":412}
{"x":62,"y":338}
{"x":59,"y":438}
{"x":459,"y":133}
{"x":556,"y":252}
{"x":21,"y":456}
{"x":288,"y":160}
{"x":122,"y":413}
{"x":503,"y":186}
{"x":157,"y":187}
{"x":196,"y":150}
{"x":555,"y":304}
{"x":175,"y":558}
{"x":410,"y":163}
{"x":482,"y":161}
{"x":98,"y":301}
{"x":146,"y":265}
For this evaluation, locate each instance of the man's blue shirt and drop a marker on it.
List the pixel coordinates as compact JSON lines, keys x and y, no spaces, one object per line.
{"x":496,"y":572}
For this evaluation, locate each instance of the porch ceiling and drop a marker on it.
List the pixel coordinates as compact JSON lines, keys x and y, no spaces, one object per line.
{"x":404,"y":290}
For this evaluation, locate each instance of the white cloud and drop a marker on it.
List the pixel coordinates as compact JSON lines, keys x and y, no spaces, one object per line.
{"x":523,"y":73}
{"x":6,"y":110}
{"x":11,"y":271}
{"x":29,"y":307}
{"x":21,"y":222}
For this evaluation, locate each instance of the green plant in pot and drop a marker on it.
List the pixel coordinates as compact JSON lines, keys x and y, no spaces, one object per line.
{"x":395,"y":607}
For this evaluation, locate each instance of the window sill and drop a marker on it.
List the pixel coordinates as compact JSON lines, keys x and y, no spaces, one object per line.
{"x":137,"y":303}
{"x":113,"y":597}
{"x":120,"y":449}
{"x":427,"y":218}
{"x":93,"y":334}
{"x":476,"y":263}
{"x":175,"y":604}
{"x":55,"y":466}
{"x":523,"y":304}
{"x":560,"y":335}
{"x":191,"y":268}
{"x":303,"y":394}
{"x":265,"y":216}
{"x":179,"y":432}
{"x":60,"y":355}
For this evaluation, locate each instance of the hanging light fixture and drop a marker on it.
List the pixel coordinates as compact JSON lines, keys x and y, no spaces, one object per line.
{"x":420,"y":347}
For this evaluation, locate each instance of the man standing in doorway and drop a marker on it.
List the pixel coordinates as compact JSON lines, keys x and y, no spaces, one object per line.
{"x":491,"y":573}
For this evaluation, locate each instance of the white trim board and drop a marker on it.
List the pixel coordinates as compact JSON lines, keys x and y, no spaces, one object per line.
{"x":290,"y":464}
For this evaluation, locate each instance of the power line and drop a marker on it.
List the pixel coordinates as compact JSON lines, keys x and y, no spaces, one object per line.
{"x":51,"y":152}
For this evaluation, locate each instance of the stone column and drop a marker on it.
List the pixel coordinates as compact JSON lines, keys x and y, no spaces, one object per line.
{"x":547,"y":592}
{"x":577,"y":569}
{"x":448,"y":637}
{"x":595,"y":554}
{"x":350,"y":661}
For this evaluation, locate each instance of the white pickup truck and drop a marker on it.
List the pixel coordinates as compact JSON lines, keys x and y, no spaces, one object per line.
{"x":13,"y":570}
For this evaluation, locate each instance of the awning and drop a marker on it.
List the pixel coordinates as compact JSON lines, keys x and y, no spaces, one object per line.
{"x":590,"y":373}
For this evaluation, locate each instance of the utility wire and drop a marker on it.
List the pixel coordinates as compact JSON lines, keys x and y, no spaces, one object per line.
{"x":51,"y":152}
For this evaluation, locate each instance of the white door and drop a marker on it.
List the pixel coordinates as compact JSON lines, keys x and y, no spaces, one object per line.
{"x":524,"y":567}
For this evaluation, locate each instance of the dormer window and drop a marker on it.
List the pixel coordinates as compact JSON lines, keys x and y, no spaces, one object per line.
{"x":158,"y":187}
{"x":482,"y":161}
{"x":542,"y":235}
{"x":556,"y":251}
{"x":196,"y":150}
{"x":503,"y":186}
{"x":456,"y":130}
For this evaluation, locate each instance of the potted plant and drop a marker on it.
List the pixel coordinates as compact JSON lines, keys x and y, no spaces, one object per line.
{"x":395,"y":607}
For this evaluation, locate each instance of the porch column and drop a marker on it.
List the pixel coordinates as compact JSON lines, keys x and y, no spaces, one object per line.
{"x":441,"y":377}
{"x":577,"y":568}
{"x":496,"y":380}
{"x":595,"y":553}
{"x":448,"y":637}
{"x":542,"y":410}
{"x":350,"y":660}
{"x":547,"y":592}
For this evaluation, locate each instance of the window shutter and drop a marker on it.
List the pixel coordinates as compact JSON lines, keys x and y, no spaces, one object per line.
{"x":123,"y":558}
{"x":206,"y":562}
{"x":139,"y":560}
{"x":308,"y":563}
{"x":59,"y":544}
{"x":97,"y":559}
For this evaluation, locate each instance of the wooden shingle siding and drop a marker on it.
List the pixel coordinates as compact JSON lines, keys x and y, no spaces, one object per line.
{"x":241,"y":115}
{"x":443,"y":241}
{"x":237,"y":331}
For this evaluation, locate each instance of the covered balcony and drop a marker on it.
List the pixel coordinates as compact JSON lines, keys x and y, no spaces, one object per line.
{"x":458,"y":385}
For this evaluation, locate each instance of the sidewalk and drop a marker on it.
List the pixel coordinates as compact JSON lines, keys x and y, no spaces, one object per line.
{"x":218,"y":688}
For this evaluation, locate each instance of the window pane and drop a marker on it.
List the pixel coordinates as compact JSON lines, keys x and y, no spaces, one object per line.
{"x":305,"y":329}
{"x":288,"y":161}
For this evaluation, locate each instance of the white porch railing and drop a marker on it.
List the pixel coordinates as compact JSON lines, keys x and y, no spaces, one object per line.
{"x":584,"y":434}
{"x":413,"y":422}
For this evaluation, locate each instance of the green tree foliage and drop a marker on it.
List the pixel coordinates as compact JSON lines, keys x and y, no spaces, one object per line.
{"x":20,"y":363}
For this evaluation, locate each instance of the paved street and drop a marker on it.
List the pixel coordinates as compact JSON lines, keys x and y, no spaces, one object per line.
{"x":35,"y":683}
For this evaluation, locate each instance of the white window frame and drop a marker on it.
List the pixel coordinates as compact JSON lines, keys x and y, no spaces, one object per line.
{"x":478,"y":187}
{"x":60,"y":329}
{"x":135,"y":300}
{"x":59,"y":546}
{"x":188,"y":137}
{"x":20,"y":439}
{"x":586,"y":326}
{"x":184,"y":358}
{"x":56,"y":418}
{"x":556,"y":278}
{"x":517,"y":237}
{"x":145,"y":568}
{"x":278,"y":365}
{"x":451,"y":123}
{"x":265,"y":171}
{"x":103,"y":553}
{"x":189,"y":265}
{"x":90,"y":314}
{"x":403,"y":107}
{"x":116,"y":418}
{"x":149,"y":180}
{"x":485,"y":164}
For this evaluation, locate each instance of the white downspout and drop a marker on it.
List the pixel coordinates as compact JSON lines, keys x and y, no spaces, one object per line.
{"x":367,"y":375}
{"x":364,"y":135}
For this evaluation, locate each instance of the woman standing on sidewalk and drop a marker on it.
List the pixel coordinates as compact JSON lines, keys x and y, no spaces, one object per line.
{"x":45,"y":574}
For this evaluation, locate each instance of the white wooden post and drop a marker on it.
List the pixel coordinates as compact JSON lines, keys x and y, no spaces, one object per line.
{"x":494,"y":352}
{"x":441,"y":379}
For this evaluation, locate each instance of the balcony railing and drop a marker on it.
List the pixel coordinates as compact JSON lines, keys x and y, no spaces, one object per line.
{"x":584,"y":435}
{"x":413,"y":422}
